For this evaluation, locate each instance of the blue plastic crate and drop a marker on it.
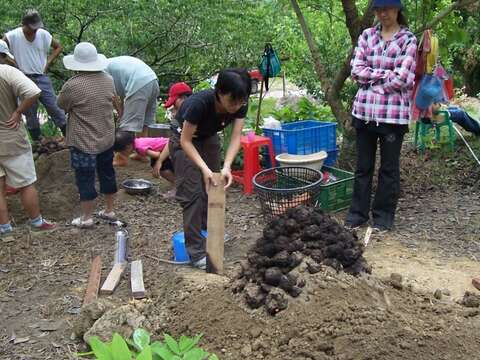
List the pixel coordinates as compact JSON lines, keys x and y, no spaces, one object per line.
{"x":304,"y":137}
{"x":331,"y":160}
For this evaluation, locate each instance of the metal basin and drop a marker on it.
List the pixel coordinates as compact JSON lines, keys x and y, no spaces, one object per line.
{"x":137,"y":186}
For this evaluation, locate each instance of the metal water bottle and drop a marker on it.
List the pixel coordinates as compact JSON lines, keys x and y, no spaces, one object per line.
{"x":121,"y":237}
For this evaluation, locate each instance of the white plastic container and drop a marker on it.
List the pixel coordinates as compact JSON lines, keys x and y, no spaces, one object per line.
{"x":312,"y":161}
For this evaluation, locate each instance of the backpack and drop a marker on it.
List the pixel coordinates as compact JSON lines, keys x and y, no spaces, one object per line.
{"x":270,"y":64}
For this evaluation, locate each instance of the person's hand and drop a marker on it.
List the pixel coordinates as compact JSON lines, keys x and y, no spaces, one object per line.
{"x":14,"y":121}
{"x":156,"y":169}
{"x":208,"y":179}
{"x":227,"y":177}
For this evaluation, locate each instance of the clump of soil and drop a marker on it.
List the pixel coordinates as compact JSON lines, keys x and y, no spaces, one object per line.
{"x":301,"y":236}
{"x":56,"y":185}
{"x":49,"y":145}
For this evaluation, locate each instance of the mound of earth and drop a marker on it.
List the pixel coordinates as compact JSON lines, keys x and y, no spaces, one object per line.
{"x":293,"y":245}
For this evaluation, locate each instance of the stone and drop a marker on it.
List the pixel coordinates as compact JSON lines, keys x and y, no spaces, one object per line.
{"x":122,"y":320}
{"x":396,"y":280}
{"x":438,"y":294}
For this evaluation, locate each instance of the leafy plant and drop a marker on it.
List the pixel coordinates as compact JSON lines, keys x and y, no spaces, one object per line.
{"x":140,"y":348}
{"x":49,"y":129}
{"x":304,"y":110}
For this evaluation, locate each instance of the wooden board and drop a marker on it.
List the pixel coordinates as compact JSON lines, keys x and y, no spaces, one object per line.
{"x":216,"y":225}
{"x":93,"y":281}
{"x":136,"y":279}
{"x":113,"y":279}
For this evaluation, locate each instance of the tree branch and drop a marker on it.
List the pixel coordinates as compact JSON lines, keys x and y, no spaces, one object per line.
{"x":444,"y":13}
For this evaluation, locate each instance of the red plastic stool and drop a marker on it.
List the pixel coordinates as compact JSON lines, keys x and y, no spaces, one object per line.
{"x":251,"y":163}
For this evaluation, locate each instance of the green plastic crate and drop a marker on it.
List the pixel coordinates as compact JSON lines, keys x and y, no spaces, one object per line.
{"x":337,"y":195}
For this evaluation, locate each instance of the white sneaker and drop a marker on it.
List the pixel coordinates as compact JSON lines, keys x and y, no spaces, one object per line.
{"x":83,"y":224}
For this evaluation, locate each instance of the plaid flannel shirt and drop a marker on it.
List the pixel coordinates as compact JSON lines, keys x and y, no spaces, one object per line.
{"x":385,"y":72}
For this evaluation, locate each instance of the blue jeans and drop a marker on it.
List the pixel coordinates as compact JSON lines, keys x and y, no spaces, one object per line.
{"x":85,"y":165}
{"x":49,"y":100}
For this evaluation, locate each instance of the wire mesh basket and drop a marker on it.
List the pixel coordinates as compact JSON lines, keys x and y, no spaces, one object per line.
{"x":282,"y":188}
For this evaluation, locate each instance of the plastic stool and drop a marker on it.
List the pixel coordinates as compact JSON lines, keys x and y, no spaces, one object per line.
{"x":251,"y":163}
{"x":421,"y":130}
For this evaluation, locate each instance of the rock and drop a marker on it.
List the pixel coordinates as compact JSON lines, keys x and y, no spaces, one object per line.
{"x":122,"y":320}
{"x":470,"y":300}
{"x":438,"y":294}
{"x":255,"y":332}
{"x":396,"y":280}
{"x":446,"y":292}
{"x":254,"y":296}
{"x":246,"y":351}
{"x":276,"y":301}
{"x":89,"y":314}
{"x":313,"y":267}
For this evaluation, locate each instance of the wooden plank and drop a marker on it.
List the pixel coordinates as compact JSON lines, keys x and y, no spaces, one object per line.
{"x":136,"y":279}
{"x":216,"y":225}
{"x":93,"y":281}
{"x":113,"y":279}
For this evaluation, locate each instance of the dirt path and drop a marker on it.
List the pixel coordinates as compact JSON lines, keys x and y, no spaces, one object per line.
{"x":435,"y":246}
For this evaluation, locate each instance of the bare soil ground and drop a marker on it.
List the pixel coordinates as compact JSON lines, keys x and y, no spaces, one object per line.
{"x":435,"y":246}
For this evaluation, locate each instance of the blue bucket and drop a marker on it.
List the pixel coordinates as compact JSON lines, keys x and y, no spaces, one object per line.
{"x":180,"y":253}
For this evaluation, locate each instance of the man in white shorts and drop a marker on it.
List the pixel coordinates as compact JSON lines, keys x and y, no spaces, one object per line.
{"x":137,"y":86}
{"x":17,"y":168}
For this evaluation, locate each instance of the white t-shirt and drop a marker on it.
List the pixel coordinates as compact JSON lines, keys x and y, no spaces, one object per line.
{"x":31,"y":57}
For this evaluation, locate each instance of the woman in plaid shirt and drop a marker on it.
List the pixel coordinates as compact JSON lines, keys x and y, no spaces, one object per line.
{"x":384,"y":68}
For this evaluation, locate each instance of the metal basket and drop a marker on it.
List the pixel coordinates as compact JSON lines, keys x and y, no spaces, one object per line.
{"x":282,"y":188}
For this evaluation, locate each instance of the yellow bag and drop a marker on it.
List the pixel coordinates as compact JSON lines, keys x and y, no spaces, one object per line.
{"x":432,"y":56}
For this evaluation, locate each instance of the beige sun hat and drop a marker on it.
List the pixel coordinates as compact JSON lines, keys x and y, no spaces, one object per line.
{"x":5,"y":50}
{"x":85,"y":58}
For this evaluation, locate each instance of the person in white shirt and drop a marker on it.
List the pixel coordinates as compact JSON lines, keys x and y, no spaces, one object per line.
{"x":30,"y":45}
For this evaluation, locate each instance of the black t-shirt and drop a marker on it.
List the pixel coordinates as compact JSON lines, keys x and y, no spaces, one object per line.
{"x":199,"y":109}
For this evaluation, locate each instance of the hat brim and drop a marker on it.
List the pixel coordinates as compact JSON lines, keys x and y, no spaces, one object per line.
{"x":9,"y":54}
{"x":36,"y":26}
{"x":98,"y":65}
{"x":170,"y":101}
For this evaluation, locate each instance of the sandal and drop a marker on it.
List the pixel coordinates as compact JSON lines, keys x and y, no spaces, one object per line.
{"x":83,"y":224}
{"x":109,"y":216}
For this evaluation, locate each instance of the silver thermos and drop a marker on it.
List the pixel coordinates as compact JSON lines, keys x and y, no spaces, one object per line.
{"x":121,"y":237}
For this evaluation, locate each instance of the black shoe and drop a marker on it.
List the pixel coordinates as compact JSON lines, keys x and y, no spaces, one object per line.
{"x":380,"y":229}
{"x":353,"y":226}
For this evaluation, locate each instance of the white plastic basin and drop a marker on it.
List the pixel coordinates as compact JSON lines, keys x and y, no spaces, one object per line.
{"x":312,"y":161}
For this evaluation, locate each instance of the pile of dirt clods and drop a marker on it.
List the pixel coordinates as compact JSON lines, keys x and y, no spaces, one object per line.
{"x":294,"y":245}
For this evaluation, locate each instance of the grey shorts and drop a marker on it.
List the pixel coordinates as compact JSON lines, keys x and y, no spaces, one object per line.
{"x":19,"y":170}
{"x":140,"y":109}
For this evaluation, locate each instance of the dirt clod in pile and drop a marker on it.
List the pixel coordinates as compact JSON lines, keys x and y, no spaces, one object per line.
{"x":302,"y":235}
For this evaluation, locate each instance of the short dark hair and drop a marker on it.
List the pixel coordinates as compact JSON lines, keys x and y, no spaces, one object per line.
{"x":235,"y":82}
{"x":123,"y":139}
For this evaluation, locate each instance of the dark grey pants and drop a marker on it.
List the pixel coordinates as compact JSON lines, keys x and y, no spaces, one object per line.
{"x":191,"y":192}
{"x":388,"y":187}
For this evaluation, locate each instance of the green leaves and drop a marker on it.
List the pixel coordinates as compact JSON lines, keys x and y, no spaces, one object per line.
{"x":118,"y":349}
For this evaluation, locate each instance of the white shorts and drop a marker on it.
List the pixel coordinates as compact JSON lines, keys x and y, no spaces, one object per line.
{"x":19,"y":170}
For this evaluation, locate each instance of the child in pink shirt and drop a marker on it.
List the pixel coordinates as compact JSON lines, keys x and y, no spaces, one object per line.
{"x":156,"y":148}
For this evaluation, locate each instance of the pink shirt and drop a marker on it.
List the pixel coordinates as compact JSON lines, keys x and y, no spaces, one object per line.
{"x":141,"y":145}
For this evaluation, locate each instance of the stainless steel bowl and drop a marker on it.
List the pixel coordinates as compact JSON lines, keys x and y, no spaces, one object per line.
{"x":137,"y":186}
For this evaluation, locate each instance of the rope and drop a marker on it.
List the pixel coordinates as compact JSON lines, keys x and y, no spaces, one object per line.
{"x":466,"y":143}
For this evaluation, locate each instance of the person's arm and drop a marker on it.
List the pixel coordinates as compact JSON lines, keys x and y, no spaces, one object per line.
{"x":64,"y":98}
{"x":403,"y":76}
{"x":361,"y":72}
{"x":57,"y":49}
{"x":16,"y":117}
{"x":232,"y":151}
{"x":187,"y":146}
{"x":161,"y":158}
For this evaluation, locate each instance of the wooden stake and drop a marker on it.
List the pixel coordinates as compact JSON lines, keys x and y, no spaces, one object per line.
{"x":136,"y":279}
{"x":368,"y":234}
{"x":113,"y":279}
{"x":216,"y":226}
{"x":93,"y":281}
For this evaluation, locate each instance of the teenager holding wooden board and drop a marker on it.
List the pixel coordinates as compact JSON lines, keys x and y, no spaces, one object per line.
{"x":195,"y":150}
